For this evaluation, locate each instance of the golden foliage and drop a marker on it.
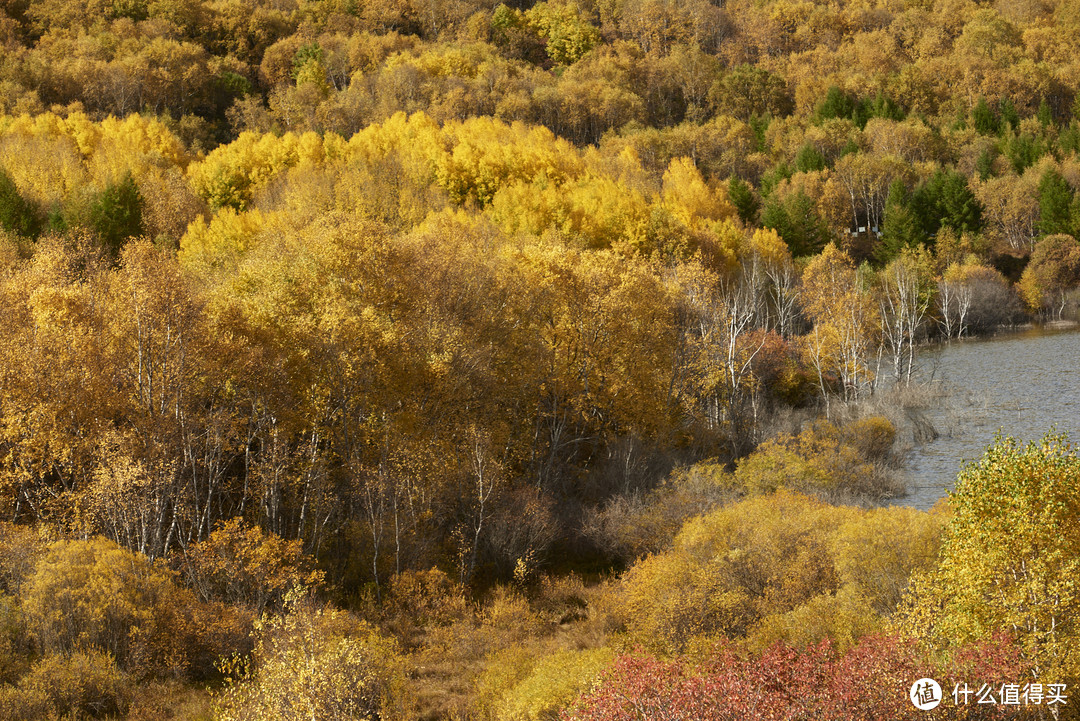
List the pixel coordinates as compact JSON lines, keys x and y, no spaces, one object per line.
{"x":540,"y":687}
{"x":1008,"y":561}
{"x":96,"y":595}
{"x":81,"y":684}
{"x":836,"y":463}
{"x":731,"y":568}
{"x":313,"y":663}
{"x":243,"y":566}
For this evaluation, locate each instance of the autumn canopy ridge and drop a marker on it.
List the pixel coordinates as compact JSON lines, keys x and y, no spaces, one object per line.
{"x":451,"y":359}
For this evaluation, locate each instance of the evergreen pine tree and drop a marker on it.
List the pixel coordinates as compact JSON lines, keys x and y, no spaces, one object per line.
{"x":1069,"y":138}
{"x":983,"y":119}
{"x":774,"y":215}
{"x":1008,"y":114}
{"x":796,"y":221}
{"x":116,"y":213}
{"x":946,"y":200}
{"x":882,"y":106}
{"x":1045,"y":115}
{"x":984,"y":165}
{"x":742,"y":197}
{"x":17,"y":214}
{"x":1023,"y":150}
{"x":835,"y":105}
{"x":901,"y":228}
{"x":772,"y":178}
{"x":1055,"y":204}
{"x":809,"y":159}
{"x":959,"y":207}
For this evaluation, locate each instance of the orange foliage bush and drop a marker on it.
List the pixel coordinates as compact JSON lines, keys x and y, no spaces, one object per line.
{"x":241,"y":565}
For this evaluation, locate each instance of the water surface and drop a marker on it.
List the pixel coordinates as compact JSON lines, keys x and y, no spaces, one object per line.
{"x":1021,"y":383}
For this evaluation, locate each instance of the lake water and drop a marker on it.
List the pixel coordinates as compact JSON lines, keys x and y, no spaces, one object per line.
{"x":1021,"y":383}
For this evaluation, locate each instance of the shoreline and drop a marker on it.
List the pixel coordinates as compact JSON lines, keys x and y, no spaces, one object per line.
{"x":1048,"y":325}
{"x":1004,"y":331}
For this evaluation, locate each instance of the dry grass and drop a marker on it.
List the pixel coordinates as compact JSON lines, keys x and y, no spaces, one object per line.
{"x":451,"y":661}
{"x":171,"y":701}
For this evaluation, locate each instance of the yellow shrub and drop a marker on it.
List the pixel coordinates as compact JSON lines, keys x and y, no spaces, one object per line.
{"x":14,"y":642}
{"x":20,"y":549}
{"x":18,"y":704}
{"x":567,"y":35}
{"x":95,"y":595}
{"x":509,"y":616}
{"x":630,"y":526}
{"x":78,"y":685}
{"x":224,"y":239}
{"x":92,"y":593}
{"x":553,"y":683}
{"x":690,"y":198}
{"x":837,"y":464}
{"x":427,"y":597}
{"x":879,"y":552}
{"x":46,"y":169}
{"x":232,"y":174}
{"x":312,"y":664}
{"x":731,"y":568}
{"x":844,"y":617}
{"x":872,"y":437}
{"x":503,"y":670}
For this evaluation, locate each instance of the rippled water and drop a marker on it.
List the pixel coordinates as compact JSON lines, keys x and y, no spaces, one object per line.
{"x":1022,"y":383}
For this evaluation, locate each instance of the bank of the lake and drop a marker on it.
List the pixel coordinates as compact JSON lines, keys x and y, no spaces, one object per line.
{"x":1021,"y":383}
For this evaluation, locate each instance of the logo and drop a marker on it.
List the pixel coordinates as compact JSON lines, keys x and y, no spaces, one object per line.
{"x":925,"y":694}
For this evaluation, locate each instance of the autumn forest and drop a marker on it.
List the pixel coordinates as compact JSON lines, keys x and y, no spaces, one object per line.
{"x":449,"y":359}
